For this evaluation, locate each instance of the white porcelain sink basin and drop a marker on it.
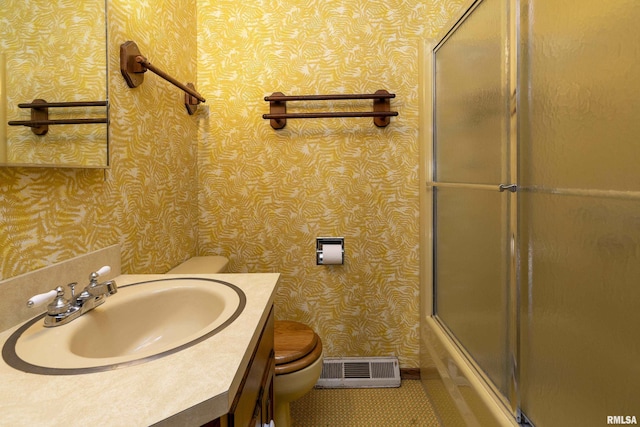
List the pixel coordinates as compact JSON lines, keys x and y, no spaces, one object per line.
{"x":141,"y":322}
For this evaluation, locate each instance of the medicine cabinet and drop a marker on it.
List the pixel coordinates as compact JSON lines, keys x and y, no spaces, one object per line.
{"x":54,"y":53}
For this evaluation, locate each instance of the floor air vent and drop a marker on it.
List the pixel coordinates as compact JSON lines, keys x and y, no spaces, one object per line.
{"x":353,"y":372}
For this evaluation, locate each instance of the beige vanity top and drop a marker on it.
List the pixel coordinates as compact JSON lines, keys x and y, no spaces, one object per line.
{"x":189,"y":387}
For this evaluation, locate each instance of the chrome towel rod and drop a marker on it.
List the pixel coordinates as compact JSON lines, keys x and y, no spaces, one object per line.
{"x":278,"y":107}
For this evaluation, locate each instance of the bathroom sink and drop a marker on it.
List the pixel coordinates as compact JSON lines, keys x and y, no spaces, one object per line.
{"x":141,"y":322}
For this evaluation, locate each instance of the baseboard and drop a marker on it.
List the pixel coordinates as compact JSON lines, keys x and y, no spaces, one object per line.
{"x":410,"y":373}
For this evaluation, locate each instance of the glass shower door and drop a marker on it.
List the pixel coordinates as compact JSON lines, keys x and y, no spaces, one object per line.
{"x":555,"y":330}
{"x":580,"y":211}
{"x":472,"y":217}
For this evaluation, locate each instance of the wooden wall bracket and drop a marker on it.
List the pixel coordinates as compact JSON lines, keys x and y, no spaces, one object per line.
{"x":39,"y":114}
{"x":190,"y":101}
{"x":278,"y":107}
{"x":382,"y":105}
{"x":132,"y":70}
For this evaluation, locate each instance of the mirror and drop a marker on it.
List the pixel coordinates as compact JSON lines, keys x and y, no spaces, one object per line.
{"x":53,"y":52}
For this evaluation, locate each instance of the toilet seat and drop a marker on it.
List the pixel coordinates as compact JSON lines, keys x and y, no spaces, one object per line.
{"x":296,"y":346}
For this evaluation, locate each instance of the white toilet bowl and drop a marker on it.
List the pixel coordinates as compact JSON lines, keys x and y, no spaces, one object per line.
{"x":298,"y":353}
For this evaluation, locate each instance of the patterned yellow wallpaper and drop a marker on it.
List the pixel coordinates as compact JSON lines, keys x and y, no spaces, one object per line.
{"x":266,"y":195}
{"x":263,"y":196}
{"x":147,"y":201}
{"x":153,"y":139}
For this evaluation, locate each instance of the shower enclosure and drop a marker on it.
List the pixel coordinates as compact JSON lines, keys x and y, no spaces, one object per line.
{"x":533,"y":192}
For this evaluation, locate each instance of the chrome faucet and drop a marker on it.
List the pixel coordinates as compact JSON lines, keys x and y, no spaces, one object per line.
{"x":62,"y":310}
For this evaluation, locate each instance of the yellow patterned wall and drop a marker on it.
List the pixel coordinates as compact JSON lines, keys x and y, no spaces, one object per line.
{"x":265,"y":195}
{"x":147,"y":201}
{"x":54,"y":51}
{"x":154,"y":140}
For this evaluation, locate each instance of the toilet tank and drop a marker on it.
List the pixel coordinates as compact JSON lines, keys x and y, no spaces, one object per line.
{"x":202,"y":265}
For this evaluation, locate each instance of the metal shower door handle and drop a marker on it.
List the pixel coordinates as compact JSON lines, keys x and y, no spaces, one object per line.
{"x":511,"y":187}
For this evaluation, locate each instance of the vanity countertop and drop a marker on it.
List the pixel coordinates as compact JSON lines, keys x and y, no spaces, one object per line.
{"x":189,"y":387}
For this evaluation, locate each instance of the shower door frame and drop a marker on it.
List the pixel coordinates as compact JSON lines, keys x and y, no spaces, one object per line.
{"x":512,"y":401}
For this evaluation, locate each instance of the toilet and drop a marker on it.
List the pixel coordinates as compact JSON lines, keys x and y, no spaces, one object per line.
{"x":211,"y":264}
{"x":297,"y":348}
{"x":298,"y":354}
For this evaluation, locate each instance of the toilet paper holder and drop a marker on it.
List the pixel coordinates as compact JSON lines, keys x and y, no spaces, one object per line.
{"x":321,"y":241}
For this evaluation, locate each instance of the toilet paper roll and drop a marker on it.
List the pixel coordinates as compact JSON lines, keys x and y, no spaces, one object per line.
{"x":331,"y":254}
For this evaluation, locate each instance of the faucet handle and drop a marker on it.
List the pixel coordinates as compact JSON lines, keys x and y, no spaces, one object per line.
{"x":93,"y":277}
{"x":60,"y":304}
{"x":40,"y":299}
{"x":105,"y":269}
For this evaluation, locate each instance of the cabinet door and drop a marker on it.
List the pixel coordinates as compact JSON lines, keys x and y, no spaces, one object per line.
{"x":263,"y":413}
{"x":267,"y":400}
{"x":247,"y":409}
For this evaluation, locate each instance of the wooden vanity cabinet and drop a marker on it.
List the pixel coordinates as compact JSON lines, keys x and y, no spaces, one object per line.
{"x":253,"y":404}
